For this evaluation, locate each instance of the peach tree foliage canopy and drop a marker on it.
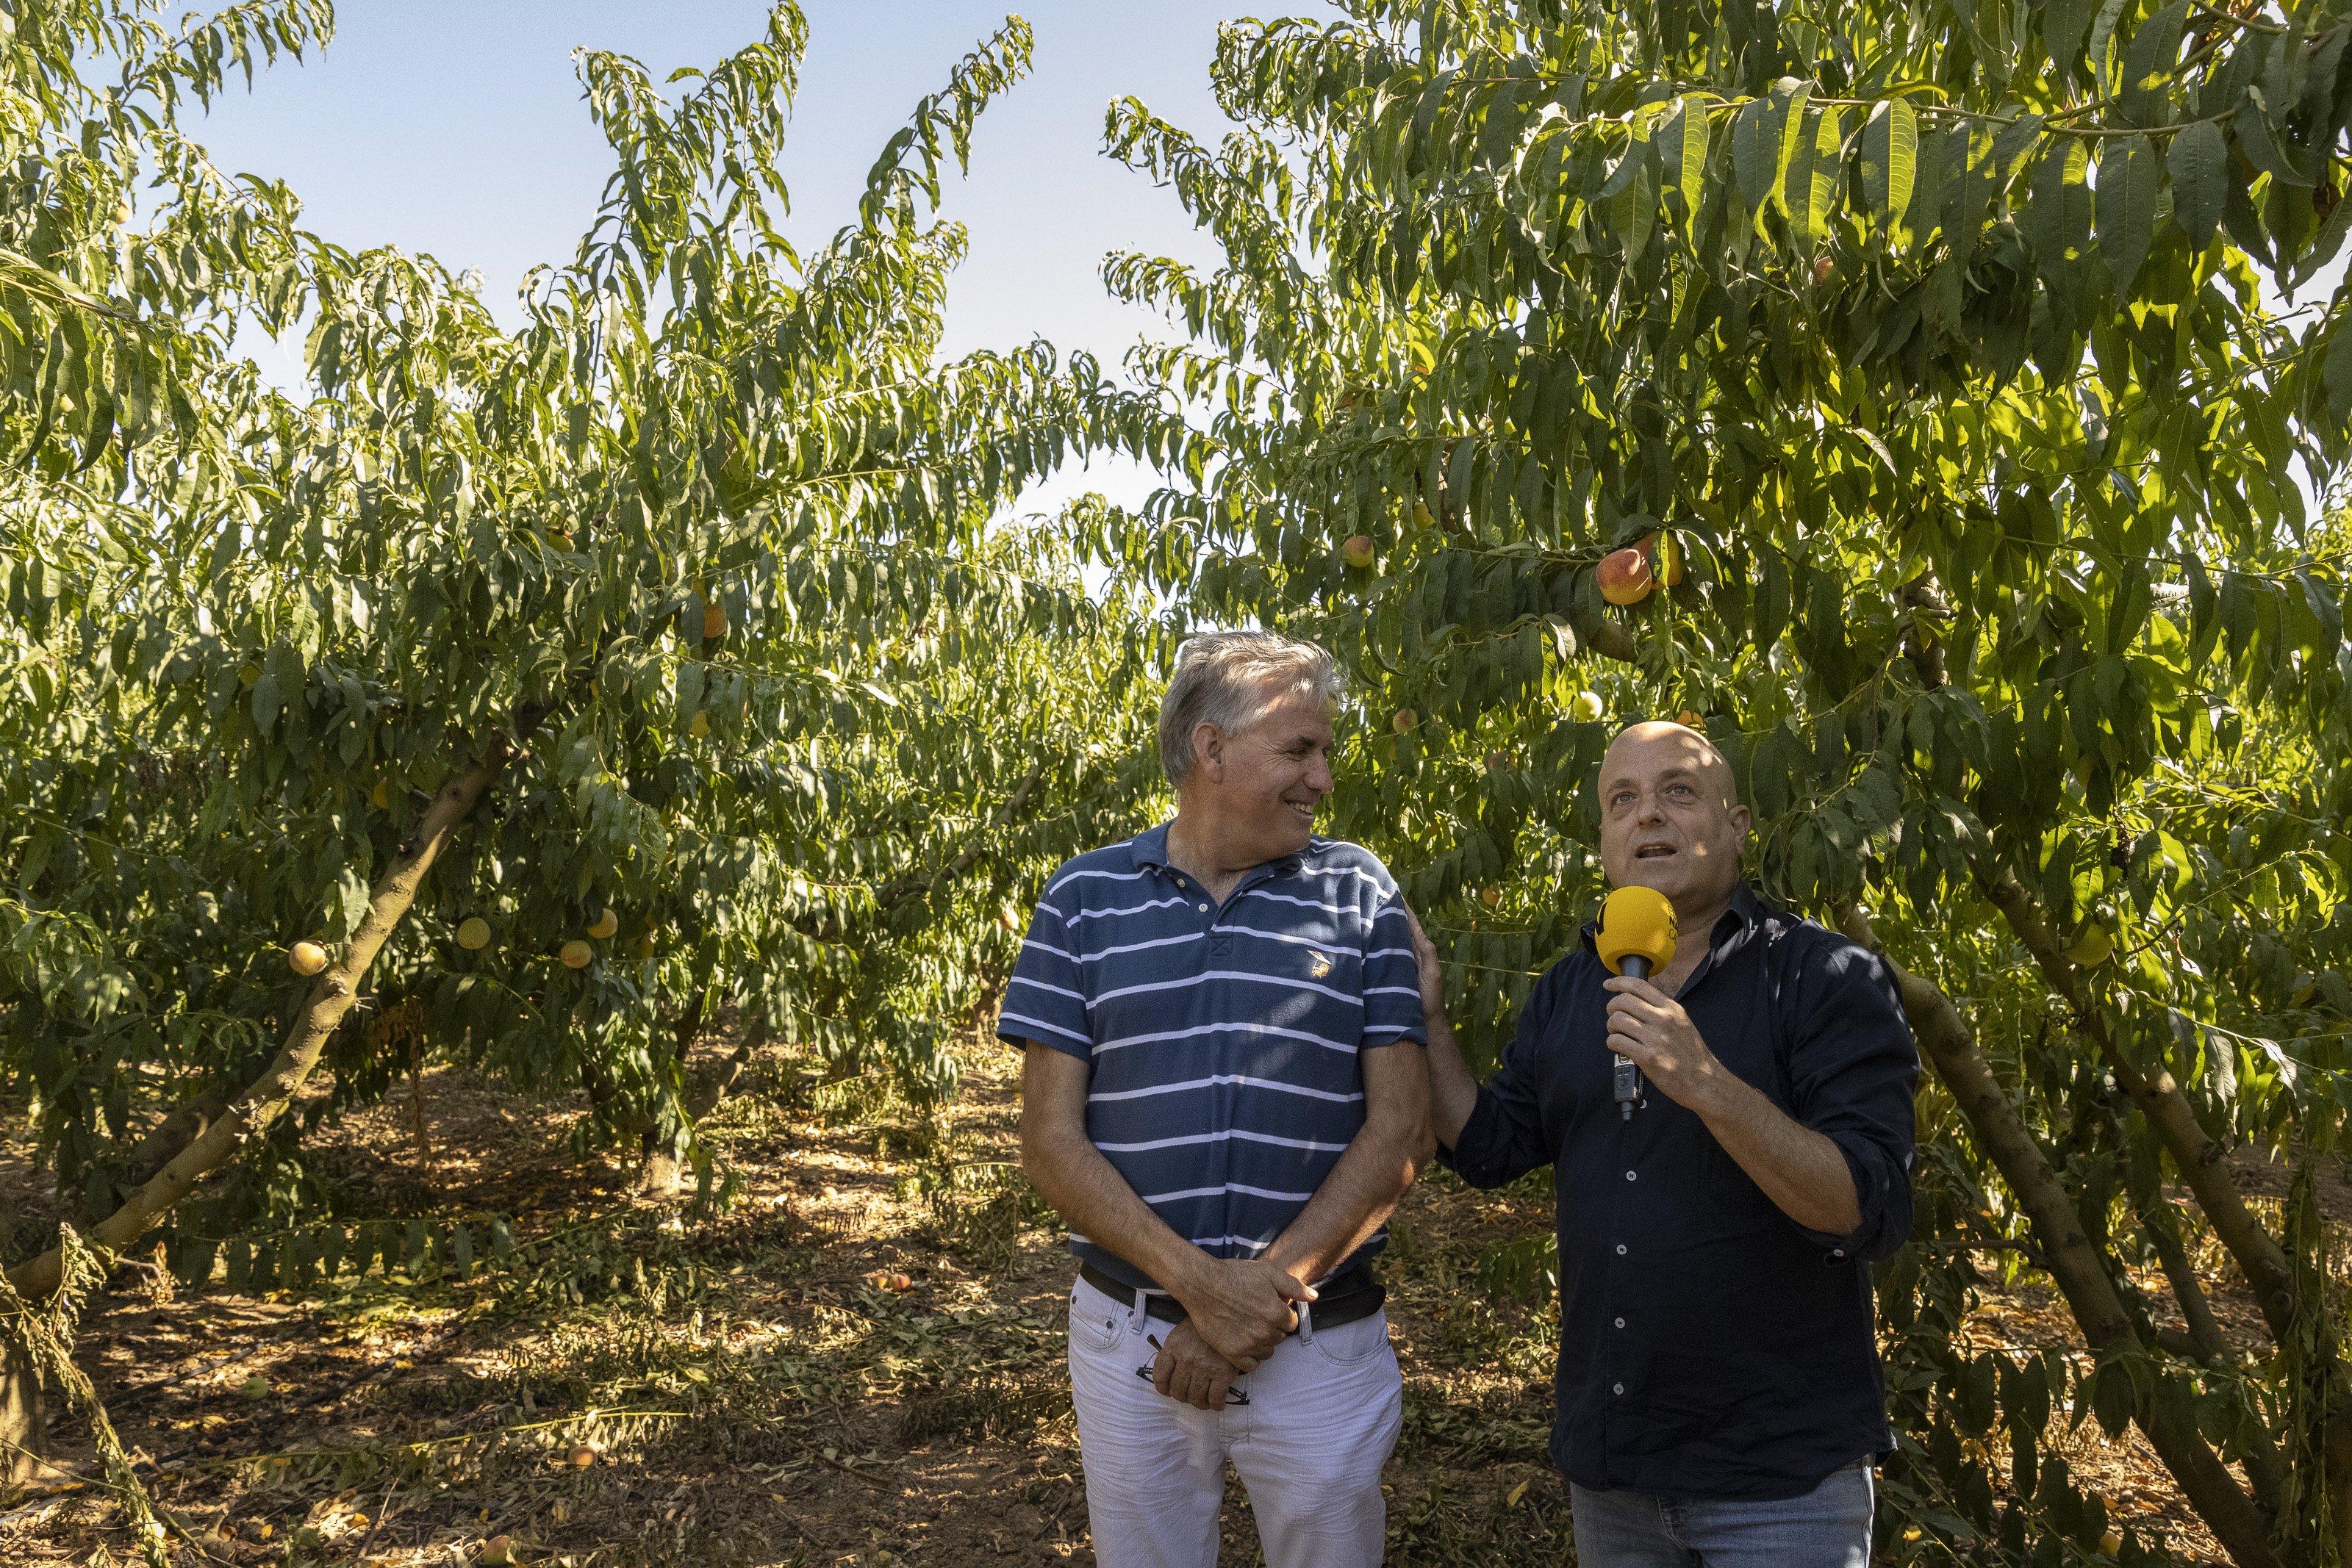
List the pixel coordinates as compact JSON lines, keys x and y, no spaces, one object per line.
{"x":1950,"y":345}
{"x":680,"y":600}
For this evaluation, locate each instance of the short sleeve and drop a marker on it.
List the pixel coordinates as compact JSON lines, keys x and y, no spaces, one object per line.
{"x":1852,"y":1071}
{"x":1045,"y":1001}
{"x":1392,"y":978}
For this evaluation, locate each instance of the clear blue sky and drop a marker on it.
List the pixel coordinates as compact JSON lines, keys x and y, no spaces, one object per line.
{"x":459,"y":129}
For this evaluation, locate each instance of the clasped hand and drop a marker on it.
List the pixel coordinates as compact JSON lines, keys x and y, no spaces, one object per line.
{"x":1238,"y":1312}
{"x":1651,"y":1028}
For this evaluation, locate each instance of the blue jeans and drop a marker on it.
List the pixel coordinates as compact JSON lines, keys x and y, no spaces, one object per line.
{"x":1827,"y":1527}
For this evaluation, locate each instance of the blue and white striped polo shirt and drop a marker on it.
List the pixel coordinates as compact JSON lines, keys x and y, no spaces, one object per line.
{"x":1225,"y":1040}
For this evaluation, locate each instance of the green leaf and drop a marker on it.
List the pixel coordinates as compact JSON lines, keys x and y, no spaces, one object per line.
{"x":2330,"y":240}
{"x":2203,"y":622}
{"x":2114,"y":1399}
{"x":264,"y":702}
{"x":1943,"y":156}
{"x":2257,"y":140}
{"x":2326,"y":613}
{"x":2336,"y":372}
{"x":1793,"y":141}
{"x":1690,"y":152}
{"x":350,"y":900}
{"x":2057,"y":220}
{"x":2103,"y":32}
{"x":2200,"y":161}
{"x":1795,"y":198}
{"x":2063,"y":23}
{"x":2126,"y":207}
{"x":1890,"y":157}
{"x":1823,"y":176}
{"x":2148,"y":63}
{"x":1755,"y":144}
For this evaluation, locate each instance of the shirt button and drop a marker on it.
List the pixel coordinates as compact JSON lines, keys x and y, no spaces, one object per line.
{"x":1621,"y":1323}
{"x":1629,"y":1175}
{"x":1204,"y":908}
{"x":1616,"y":1388}
{"x":1621,"y":1250}
{"x":1837,"y":1251}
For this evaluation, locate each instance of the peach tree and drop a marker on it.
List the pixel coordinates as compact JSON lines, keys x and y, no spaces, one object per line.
{"x":546,"y":689}
{"x":1916,"y":398}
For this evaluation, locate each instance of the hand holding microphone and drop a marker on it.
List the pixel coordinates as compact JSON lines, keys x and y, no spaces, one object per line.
{"x":1637,"y":938}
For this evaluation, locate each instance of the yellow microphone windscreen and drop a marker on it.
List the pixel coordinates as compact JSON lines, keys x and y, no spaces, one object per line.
{"x":1637,"y":921}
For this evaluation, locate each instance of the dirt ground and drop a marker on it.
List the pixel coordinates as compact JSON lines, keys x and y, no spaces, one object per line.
{"x":858,"y":1361}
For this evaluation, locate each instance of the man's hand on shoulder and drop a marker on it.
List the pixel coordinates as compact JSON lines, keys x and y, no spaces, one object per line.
{"x":1241,"y":1307}
{"x":1651,"y":1028}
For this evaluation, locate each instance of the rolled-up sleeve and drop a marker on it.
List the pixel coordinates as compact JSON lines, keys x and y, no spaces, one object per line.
{"x":1853,"y":1069}
{"x":1045,"y":1001}
{"x":1392,"y":980}
{"x":1504,"y":1137}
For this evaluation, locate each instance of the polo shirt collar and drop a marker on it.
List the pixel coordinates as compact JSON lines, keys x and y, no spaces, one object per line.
{"x":1149,"y":847}
{"x":1150,"y":851}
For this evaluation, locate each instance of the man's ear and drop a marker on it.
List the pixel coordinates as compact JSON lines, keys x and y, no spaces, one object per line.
{"x":1208,"y":750}
{"x":1740,"y":817}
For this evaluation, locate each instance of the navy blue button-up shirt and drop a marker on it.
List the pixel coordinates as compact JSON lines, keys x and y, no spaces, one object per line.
{"x":1708,"y":1344}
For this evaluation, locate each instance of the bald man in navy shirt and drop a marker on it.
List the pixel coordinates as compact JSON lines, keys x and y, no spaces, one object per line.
{"x":1720,"y":1400}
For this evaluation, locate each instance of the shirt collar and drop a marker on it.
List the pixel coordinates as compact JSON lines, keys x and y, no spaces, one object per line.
{"x":1149,"y":850}
{"x":1149,"y":847}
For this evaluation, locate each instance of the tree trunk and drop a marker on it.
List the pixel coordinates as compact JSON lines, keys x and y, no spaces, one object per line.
{"x":332,"y":995}
{"x":661,"y":1175}
{"x":2073,"y":1263}
{"x":24,"y":1427}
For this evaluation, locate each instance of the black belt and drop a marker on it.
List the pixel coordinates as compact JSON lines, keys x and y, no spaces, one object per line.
{"x":1350,"y":1296}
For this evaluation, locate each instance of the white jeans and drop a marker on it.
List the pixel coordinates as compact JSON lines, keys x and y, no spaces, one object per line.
{"x":1323,"y":1413}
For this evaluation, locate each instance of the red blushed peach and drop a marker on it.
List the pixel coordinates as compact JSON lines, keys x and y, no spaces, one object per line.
{"x":1625,"y":576}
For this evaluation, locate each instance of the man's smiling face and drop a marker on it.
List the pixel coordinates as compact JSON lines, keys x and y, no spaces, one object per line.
{"x":1670,"y":817}
{"x":1265,"y":784}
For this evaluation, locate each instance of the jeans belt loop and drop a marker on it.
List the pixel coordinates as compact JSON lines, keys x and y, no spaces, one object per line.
{"x":1306,"y":1323}
{"x":1139,"y":1314}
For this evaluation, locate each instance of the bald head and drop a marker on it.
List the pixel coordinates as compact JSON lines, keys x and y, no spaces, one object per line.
{"x":1671,"y":817}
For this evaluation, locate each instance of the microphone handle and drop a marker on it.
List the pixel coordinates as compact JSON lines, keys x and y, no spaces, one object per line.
{"x":1626,"y":1079}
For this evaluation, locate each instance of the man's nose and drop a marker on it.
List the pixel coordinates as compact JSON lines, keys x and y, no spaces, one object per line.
{"x":1318,"y":777}
{"x":1647,"y":809}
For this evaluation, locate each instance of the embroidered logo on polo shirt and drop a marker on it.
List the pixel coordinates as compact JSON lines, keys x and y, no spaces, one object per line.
{"x":1320,"y":968}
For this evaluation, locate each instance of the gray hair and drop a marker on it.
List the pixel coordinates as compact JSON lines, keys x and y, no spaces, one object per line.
{"x":1222,"y":678}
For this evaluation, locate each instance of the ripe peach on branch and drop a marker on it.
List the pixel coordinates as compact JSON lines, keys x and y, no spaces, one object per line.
{"x":1625,"y":576}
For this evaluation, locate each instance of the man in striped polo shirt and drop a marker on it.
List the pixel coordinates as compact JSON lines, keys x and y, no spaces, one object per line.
{"x":1224,"y":1095}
